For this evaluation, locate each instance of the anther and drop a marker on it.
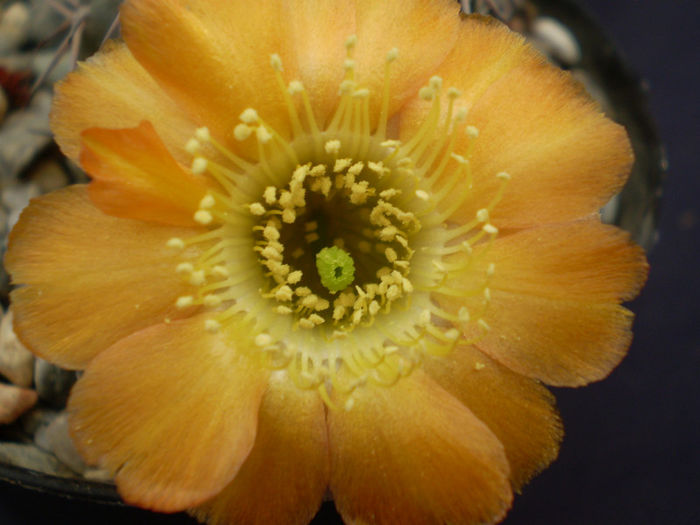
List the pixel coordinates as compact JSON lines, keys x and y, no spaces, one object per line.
{"x":482,"y":215}
{"x":422,"y":195}
{"x":184,"y":268}
{"x":175,"y":242}
{"x":264,"y":136}
{"x":207,"y":201}
{"x":212,"y":326}
{"x":472,"y":131}
{"x":392,"y":55}
{"x":276,"y":62}
{"x":192,"y":146}
{"x":490,"y":229}
{"x":199,"y":165}
{"x":202,"y":134}
{"x":332,"y":147}
{"x":203,"y":217}
{"x":184,"y":301}
{"x":295,"y":87}
{"x":197,"y":278}
{"x":242,"y":131}
{"x":249,"y":116}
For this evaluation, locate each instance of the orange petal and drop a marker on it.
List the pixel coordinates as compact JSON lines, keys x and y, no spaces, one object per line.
{"x":286,"y":474}
{"x":212,"y":58}
{"x":112,"y":90}
{"x":172,"y":410}
{"x":319,"y":52}
{"x":90,"y":278}
{"x":518,"y":410}
{"x":411,"y":453}
{"x":553,"y":312}
{"x":423,"y":32}
{"x":135,"y":177}
{"x":536,"y":123}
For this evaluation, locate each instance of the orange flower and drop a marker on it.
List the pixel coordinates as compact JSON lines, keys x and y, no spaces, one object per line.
{"x":326,"y":245}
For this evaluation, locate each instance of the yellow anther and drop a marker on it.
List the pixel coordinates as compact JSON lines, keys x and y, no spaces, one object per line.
{"x":295,"y":87}
{"x":310,"y":226}
{"x":350,"y":42}
{"x":482,"y":215}
{"x":192,"y":146}
{"x":242,"y":131}
{"x":207,"y":201}
{"x":459,"y":158}
{"x":463,"y":314}
{"x":203,"y":217}
{"x":175,"y":242}
{"x":202,"y":134}
{"x":452,"y":334}
{"x":199,"y":165}
{"x":491,"y":269}
{"x":264,"y":136}
{"x":306,"y":323}
{"x":311,"y":237}
{"x":302,"y":291}
{"x":197,"y":278}
{"x":289,"y":216}
{"x":435,"y":82}
{"x":490,"y":229}
{"x":212,"y":300}
{"x":276,"y":62}
{"x":503,"y":175}
{"x":461,"y":116}
{"x":453,"y":92}
{"x":426,"y":93}
{"x":390,"y":255}
{"x":184,"y":301}
{"x":487,"y":294}
{"x":212,"y":326}
{"x":316,"y":319}
{"x":294,"y":277}
{"x":284,"y":310}
{"x":348,"y":64}
{"x":332,"y":147}
{"x":422,"y":195}
{"x":270,"y":195}
{"x":392,"y":55}
{"x":284,"y":293}
{"x":263,"y":340}
{"x":341,"y":165}
{"x":479,"y":366}
{"x":271,"y":233}
{"x":349,"y":403}
{"x":484,"y":325}
{"x":472,"y":131}
{"x":184,"y":267}
{"x":249,"y":116}
{"x":361,"y":93}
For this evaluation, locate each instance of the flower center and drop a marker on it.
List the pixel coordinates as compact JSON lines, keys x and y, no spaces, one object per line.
{"x":333,"y":244}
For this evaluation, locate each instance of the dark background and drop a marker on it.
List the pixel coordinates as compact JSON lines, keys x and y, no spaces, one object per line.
{"x":630,"y":454}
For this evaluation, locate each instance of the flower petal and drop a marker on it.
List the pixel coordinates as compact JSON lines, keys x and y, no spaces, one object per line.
{"x":411,"y":26}
{"x":411,"y":453}
{"x":172,"y":410}
{"x":135,"y":177}
{"x":554,"y":312}
{"x":320,"y":52}
{"x":90,"y":279}
{"x":286,"y":474}
{"x":210,"y":69}
{"x":536,"y":123}
{"x":518,"y":410}
{"x":112,"y":90}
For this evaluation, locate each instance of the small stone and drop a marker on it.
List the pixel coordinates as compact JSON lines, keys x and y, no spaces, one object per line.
{"x":16,"y":362}
{"x":97,"y":474}
{"x":30,"y":457}
{"x":555,"y":40}
{"x":52,"y":383}
{"x":55,"y":438}
{"x":48,"y":175}
{"x":33,"y":421}
{"x":16,"y":197}
{"x":14,"y":24}
{"x":23,"y":135}
{"x":14,"y":401}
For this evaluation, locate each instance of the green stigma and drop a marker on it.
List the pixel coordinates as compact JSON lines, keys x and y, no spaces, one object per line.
{"x":335,"y":268}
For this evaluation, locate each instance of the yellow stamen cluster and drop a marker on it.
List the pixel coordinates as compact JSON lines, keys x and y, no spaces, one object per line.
{"x":386,"y":203}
